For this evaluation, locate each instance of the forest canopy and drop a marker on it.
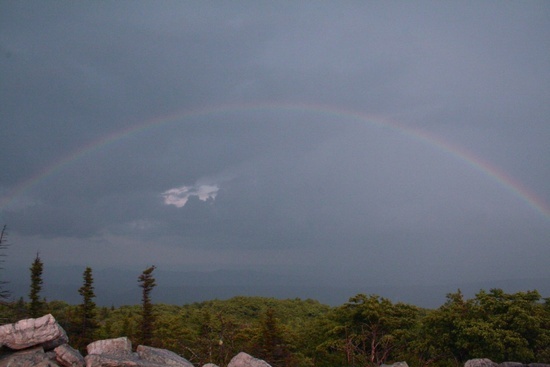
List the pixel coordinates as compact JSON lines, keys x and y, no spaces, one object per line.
{"x":368,"y":330}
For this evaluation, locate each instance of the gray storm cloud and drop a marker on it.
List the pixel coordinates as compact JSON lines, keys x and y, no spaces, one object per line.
{"x":309,"y":194}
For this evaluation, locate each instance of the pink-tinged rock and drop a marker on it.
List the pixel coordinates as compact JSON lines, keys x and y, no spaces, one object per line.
{"x":32,"y":357}
{"x":97,"y":360}
{"x":396,"y":364}
{"x":67,"y":356}
{"x":480,"y":362}
{"x":114,"y":347}
{"x":162,"y":356}
{"x":246,"y":360}
{"x":43,"y":331}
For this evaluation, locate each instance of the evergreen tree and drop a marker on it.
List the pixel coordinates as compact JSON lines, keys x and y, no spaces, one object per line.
{"x":36,"y":305}
{"x":20,"y":309}
{"x":272,"y":345}
{"x":4,"y":294}
{"x":206,"y":339}
{"x":88,"y":321}
{"x":147,"y":283}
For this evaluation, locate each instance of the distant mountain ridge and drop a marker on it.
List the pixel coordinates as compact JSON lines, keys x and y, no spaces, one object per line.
{"x":118,"y":287}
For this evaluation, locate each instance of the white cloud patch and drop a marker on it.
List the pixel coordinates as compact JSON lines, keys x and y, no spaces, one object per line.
{"x":179,"y":196}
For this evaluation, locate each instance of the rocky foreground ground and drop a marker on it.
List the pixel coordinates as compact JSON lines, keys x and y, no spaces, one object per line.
{"x":42,"y":342}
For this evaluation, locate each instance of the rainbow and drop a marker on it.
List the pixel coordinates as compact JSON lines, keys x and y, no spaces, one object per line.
{"x":509,"y":183}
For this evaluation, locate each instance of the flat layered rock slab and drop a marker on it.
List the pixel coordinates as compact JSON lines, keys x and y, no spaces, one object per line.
{"x":43,"y":331}
{"x":162,"y":356}
{"x":97,"y":360}
{"x":113,"y":347}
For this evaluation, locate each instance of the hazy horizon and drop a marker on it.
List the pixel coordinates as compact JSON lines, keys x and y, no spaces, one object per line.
{"x":117,"y":287}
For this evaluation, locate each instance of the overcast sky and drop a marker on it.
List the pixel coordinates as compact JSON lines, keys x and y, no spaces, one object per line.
{"x":392,"y":142}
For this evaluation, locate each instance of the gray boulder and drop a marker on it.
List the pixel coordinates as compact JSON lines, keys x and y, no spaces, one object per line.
{"x":511,"y":364}
{"x":396,"y":364}
{"x":67,"y":356}
{"x":538,"y":365}
{"x":480,"y":362}
{"x":32,"y":357}
{"x":210,"y":365}
{"x":97,"y":360}
{"x":246,"y":360}
{"x":118,"y":353}
{"x":43,"y":331}
{"x":162,"y":356}
{"x":112,"y":347}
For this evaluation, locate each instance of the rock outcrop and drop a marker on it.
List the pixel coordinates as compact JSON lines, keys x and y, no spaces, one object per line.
{"x":485,"y":362}
{"x":121,"y":347}
{"x":162,"y":356}
{"x":246,"y":360}
{"x":480,"y":362}
{"x":42,"y":342}
{"x":67,"y":356}
{"x":43,"y":331}
{"x":32,"y":357}
{"x":396,"y":364}
{"x":118,"y":352}
{"x":511,"y":364}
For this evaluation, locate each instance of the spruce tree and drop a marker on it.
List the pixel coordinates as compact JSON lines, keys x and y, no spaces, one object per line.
{"x":147,"y":283}
{"x":36,"y":305}
{"x":88,"y":321}
{"x":4,"y":294}
{"x":272,"y":345}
